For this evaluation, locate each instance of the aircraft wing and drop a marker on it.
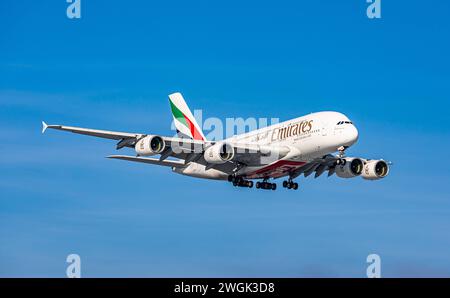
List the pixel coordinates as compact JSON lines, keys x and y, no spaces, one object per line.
{"x":154,"y":161}
{"x":319,"y":166}
{"x":187,"y":150}
{"x":126,"y":138}
{"x":114,"y":135}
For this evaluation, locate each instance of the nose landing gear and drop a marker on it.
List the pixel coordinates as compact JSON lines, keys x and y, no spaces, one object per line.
{"x":340,"y":162}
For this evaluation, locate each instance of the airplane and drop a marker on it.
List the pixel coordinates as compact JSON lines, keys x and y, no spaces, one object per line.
{"x":314,"y":143}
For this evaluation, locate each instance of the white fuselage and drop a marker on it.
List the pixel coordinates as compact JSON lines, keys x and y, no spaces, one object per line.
{"x":307,"y":137}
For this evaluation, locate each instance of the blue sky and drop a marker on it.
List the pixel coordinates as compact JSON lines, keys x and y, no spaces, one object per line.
{"x":114,"y":68}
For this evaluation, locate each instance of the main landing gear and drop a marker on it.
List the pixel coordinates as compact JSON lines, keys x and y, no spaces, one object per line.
{"x":266,"y":185}
{"x":289,"y":184}
{"x":239,"y":181}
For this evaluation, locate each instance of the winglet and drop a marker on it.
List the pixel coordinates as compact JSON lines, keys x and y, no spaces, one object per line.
{"x":44,"y":126}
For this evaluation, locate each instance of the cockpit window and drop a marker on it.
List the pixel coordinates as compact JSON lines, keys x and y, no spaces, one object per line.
{"x":344,"y":122}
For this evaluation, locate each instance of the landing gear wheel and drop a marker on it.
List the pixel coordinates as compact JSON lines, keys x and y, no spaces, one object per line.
{"x":289,"y":184}
{"x":341,"y":162}
{"x":240,"y":181}
{"x":266,"y":185}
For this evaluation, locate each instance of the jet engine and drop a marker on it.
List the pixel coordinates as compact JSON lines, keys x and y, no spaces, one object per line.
{"x":375,"y":169}
{"x":150,"y":145}
{"x":352,"y":167}
{"x":219,"y":153}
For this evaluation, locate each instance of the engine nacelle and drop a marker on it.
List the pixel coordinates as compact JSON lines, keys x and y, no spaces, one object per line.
{"x":353,"y":167}
{"x":150,"y":145}
{"x":375,"y":169}
{"x":219,"y":153}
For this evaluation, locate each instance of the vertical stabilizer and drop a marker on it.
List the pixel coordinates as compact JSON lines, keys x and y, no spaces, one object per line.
{"x":183,"y":118}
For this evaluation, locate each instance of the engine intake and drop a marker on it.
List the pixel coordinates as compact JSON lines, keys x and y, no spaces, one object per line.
{"x":375,"y":169}
{"x":219,"y":153}
{"x":150,"y":145}
{"x":352,"y":167}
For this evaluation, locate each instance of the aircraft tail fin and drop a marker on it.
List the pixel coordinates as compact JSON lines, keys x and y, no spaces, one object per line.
{"x":183,"y":118}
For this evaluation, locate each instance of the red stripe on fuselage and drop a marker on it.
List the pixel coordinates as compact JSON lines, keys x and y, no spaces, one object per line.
{"x":277,"y":169}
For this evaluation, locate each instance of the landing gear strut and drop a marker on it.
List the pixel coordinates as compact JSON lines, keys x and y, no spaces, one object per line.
{"x":289,"y":184}
{"x":341,"y":150}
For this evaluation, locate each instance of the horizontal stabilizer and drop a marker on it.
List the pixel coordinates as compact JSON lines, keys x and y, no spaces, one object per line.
{"x":44,"y":126}
{"x":154,"y":161}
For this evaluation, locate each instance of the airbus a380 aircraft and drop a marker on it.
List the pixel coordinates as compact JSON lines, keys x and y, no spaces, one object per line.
{"x":304,"y":145}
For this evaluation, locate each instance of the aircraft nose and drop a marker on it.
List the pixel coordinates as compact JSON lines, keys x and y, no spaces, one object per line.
{"x":351,"y":135}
